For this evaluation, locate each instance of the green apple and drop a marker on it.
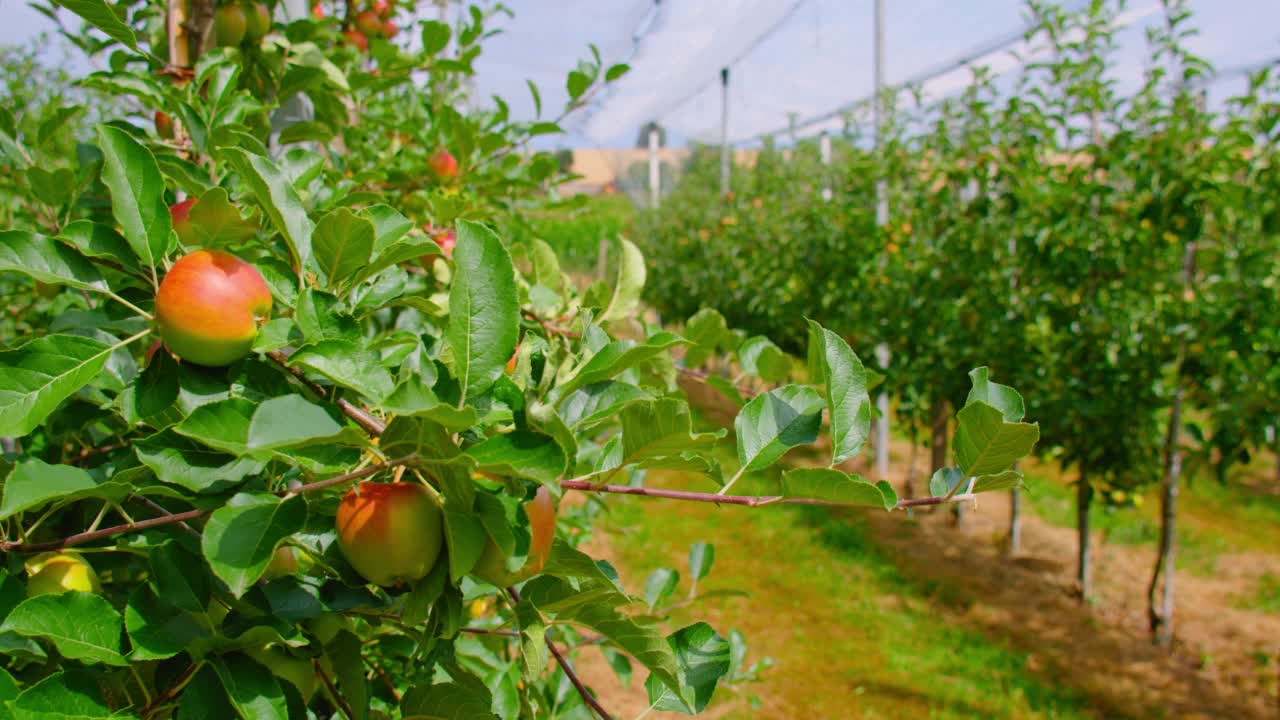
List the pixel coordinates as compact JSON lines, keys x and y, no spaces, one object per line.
{"x":59,"y":572}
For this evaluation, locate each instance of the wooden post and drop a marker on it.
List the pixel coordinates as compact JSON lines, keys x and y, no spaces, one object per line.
{"x":655,"y":170}
{"x":724,"y":132}
{"x":824,"y":152}
{"x":882,"y":218}
{"x":1084,"y":499}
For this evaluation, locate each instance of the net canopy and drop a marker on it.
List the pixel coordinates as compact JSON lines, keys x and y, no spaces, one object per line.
{"x":804,"y":66}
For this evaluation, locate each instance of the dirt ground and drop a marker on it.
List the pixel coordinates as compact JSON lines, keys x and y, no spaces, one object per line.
{"x":1225,"y":662}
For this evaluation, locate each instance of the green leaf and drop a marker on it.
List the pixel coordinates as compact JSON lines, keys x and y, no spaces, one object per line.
{"x":616,"y":71}
{"x":389,"y":226}
{"x":1002,"y":397}
{"x":47,"y":261}
{"x":157,"y":629}
{"x":533,"y":638}
{"x":833,"y":364}
{"x":576,"y":84}
{"x":68,"y":695}
{"x":289,"y":421}
{"x":407,"y":249}
{"x":204,"y":698}
{"x":464,"y":534}
{"x":101,"y":15}
{"x":343,"y":244}
{"x":944,"y":480}
{"x":546,"y":266}
{"x":95,"y":240}
{"x":703,"y":658}
{"x":137,"y":194}
{"x":251,"y":688}
{"x":521,"y":454}
{"x":271,"y":187}
{"x":345,"y":652}
{"x":240,"y":538}
{"x":435,"y":36}
{"x":774,"y":422}
{"x":448,"y":701}
{"x":484,"y":312}
{"x":629,"y":285}
{"x":834,"y":486}
{"x":659,"y":586}
{"x":180,"y":577}
{"x":347,"y":364}
{"x":706,"y":329}
{"x":761,"y":357}
{"x":641,"y":642}
{"x":83,"y":626}
{"x":701,"y":557}
{"x":185,"y":463}
{"x":277,"y":333}
{"x":37,"y":376}
{"x":659,"y":434}
{"x":599,"y":403}
{"x":414,"y":398}
{"x":34,"y":483}
{"x":213,"y":222}
{"x":617,"y":357}
{"x":1007,"y":480}
{"x":986,"y":444}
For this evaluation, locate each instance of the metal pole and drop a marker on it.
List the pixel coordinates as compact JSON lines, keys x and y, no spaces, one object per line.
{"x":882,"y":218}
{"x":824,"y":152}
{"x":724,"y":131}
{"x":655,"y":177}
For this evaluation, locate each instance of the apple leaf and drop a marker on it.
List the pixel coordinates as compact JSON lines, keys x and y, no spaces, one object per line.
{"x":69,"y":694}
{"x":703,"y":658}
{"x":251,"y":688}
{"x":95,"y":240}
{"x":103,"y":17}
{"x":776,"y":421}
{"x":484,"y":312}
{"x":241,"y":536}
{"x":346,"y":364}
{"x":986,"y":444}
{"x":343,"y":243}
{"x":616,"y":357}
{"x":835,"y":486}
{"x":599,"y":403}
{"x":37,"y":376}
{"x":448,"y":701}
{"x":83,"y":626}
{"x":520,"y":454}
{"x":157,"y":629}
{"x":213,"y":222}
{"x":629,"y":285}
{"x":47,"y":261}
{"x":34,"y":483}
{"x":279,"y":200}
{"x":137,"y":194}
{"x":833,"y":364}
{"x":761,"y":357}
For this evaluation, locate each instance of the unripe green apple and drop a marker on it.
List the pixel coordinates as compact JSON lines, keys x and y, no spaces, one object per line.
{"x":444,"y":165}
{"x":229,"y":25}
{"x":257,"y":22}
{"x":368,"y":22}
{"x":209,"y":306}
{"x":296,"y":670}
{"x":286,"y":560}
{"x":59,"y":572}
{"x":390,"y":532}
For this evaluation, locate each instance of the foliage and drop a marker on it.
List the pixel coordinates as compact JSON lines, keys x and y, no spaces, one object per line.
{"x":205,"y":498}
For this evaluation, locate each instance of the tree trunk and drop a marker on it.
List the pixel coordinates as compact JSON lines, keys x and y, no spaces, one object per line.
{"x":1015,"y":520}
{"x":1275,"y":450}
{"x":937,"y":435}
{"x":909,"y":484}
{"x":1161,"y":619}
{"x":1084,"y":498}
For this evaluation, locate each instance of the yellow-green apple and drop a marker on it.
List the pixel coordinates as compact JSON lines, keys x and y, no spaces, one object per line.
{"x":229,"y":25}
{"x":59,"y":572}
{"x":443,"y":164}
{"x":209,"y":307}
{"x":286,"y":560}
{"x":390,"y":532}
{"x":257,"y":22}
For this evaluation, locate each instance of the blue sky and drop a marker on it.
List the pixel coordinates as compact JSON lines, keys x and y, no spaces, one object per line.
{"x":788,"y":57}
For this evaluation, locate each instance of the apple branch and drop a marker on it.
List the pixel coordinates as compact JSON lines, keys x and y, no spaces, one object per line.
{"x":746,"y":500}
{"x":176,"y":518}
{"x":366,"y":421}
{"x":587,"y":697}
{"x":333,"y":691}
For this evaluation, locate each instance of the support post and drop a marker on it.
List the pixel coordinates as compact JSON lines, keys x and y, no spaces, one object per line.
{"x":724,"y":132}
{"x":882,"y":218}
{"x":655,"y":171}
{"x":824,"y":152}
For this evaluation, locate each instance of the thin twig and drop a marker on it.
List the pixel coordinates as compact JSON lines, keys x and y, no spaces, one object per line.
{"x":333,"y":690}
{"x":702,"y":375}
{"x":587,"y":697}
{"x":369,"y":423}
{"x":745,"y":500}
{"x":160,"y":509}
{"x":171,"y":519}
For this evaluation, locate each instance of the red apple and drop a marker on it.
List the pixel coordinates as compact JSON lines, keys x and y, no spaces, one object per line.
{"x":229,"y":25}
{"x":209,"y":306}
{"x":317,"y":11}
{"x":258,"y":22}
{"x":511,"y":364}
{"x":444,"y":164}
{"x":389,"y":29}
{"x":367,"y":22}
{"x":492,"y":565}
{"x":181,"y":211}
{"x":390,"y":532}
{"x":356,"y":38}
{"x":164,"y":125}
{"x":382,"y":8}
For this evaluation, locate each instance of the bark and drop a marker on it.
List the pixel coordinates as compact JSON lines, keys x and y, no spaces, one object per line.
{"x":909,"y":484}
{"x":1084,"y":499}
{"x":1015,"y":520}
{"x":937,"y":435}
{"x":1160,"y":618}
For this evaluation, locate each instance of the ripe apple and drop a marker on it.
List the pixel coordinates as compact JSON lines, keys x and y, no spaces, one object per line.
{"x":356,"y":38}
{"x":447,"y":239}
{"x":317,"y":11}
{"x":209,"y":306}
{"x":164,"y":125}
{"x":390,"y":532}
{"x":383,"y":8}
{"x":390,"y":29}
{"x":444,"y":164}
{"x":229,"y":25}
{"x":59,"y":572}
{"x":258,"y":22}
{"x":367,"y":22}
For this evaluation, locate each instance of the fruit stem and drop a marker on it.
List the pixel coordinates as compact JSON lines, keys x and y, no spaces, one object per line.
{"x":129,"y":305}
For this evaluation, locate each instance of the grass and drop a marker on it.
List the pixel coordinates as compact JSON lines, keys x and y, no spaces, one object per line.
{"x":832,"y":610}
{"x":575,"y":229}
{"x":1266,"y":596}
